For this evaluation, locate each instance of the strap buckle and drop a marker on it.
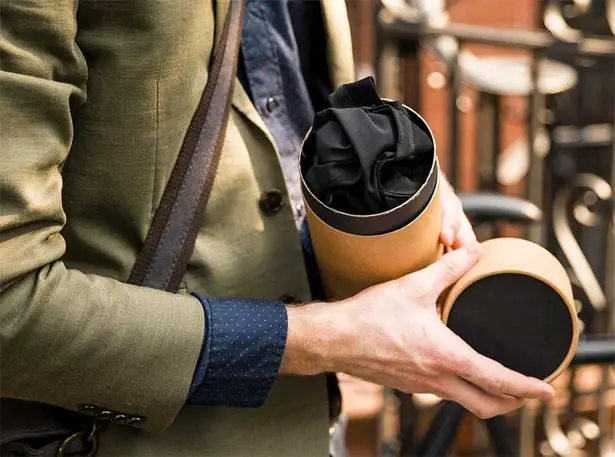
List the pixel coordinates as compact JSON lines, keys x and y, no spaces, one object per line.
{"x":88,"y":437}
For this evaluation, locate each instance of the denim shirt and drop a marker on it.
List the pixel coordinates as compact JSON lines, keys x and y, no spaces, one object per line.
{"x":283,"y":69}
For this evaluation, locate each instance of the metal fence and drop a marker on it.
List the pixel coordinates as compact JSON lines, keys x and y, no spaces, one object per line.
{"x":568,"y":80}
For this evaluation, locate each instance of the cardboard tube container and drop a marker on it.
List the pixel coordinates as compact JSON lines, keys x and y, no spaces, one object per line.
{"x":355,"y":252}
{"x":516,"y":306}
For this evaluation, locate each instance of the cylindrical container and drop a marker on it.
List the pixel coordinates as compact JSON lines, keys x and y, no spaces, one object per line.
{"x":354,"y":252}
{"x":516,"y":306}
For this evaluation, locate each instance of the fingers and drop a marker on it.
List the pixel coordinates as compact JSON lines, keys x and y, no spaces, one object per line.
{"x":493,"y":377}
{"x":456,"y":229}
{"x":465,"y":236}
{"x":451,"y":208}
{"x":451,"y":224}
{"x":443,"y":273}
{"x":480,"y":403}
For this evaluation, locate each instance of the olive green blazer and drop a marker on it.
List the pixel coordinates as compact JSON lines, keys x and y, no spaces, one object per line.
{"x":95,"y":97}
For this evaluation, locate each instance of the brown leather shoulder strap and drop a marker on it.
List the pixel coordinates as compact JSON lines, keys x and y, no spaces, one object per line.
{"x":163,"y":259}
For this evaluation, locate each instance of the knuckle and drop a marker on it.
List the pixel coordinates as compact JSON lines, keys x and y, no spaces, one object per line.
{"x":436,"y":364}
{"x":464,"y":368}
{"x":447,"y":361}
{"x":466,"y":372}
{"x":496,"y":385}
{"x":431,"y":363}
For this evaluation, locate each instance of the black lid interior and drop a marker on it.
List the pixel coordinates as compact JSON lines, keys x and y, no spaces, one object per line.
{"x":515,"y":319}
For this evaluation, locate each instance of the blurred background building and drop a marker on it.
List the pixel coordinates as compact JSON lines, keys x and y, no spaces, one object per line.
{"x":520,"y":95}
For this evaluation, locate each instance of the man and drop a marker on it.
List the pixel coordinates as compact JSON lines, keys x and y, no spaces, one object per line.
{"x":96,"y":96}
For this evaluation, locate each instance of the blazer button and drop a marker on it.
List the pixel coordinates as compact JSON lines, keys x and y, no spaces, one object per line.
{"x":119,"y":418}
{"x":271,"y":201}
{"x":106,"y":414}
{"x":134,"y":420}
{"x":88,"y":410}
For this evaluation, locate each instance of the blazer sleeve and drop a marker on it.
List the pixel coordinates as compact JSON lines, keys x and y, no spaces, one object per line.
{"x":67,"y":338}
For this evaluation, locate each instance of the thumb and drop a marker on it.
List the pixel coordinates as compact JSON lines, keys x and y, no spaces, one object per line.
{"x":447,"y":270}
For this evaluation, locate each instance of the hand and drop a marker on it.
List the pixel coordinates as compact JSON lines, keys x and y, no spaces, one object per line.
{"x":456,"y":229}
{"x":391,"y":335}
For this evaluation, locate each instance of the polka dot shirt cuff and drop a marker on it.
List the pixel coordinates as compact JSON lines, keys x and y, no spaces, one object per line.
{"x":242,"y":351}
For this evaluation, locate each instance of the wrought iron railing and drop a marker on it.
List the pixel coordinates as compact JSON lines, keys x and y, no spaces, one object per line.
{"x":572,"y":181}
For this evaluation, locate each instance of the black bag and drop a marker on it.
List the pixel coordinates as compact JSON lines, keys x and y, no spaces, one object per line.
{"x":31,"y":429}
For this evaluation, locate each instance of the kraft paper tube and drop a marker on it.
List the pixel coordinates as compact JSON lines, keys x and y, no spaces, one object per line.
{"x":516,"y":306}
{"x":354,"y":252}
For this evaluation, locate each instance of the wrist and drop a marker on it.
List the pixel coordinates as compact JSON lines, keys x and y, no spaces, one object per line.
{"x":316,"y":333}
